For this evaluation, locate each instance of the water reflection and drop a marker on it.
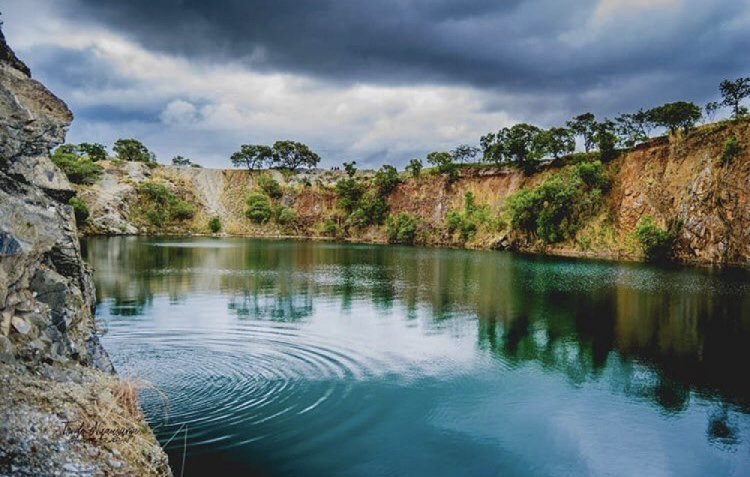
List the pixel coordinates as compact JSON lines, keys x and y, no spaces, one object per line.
{"x":653,"y":335}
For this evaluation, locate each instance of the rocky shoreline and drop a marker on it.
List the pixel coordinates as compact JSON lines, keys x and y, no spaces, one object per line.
{"x":63,"y":411}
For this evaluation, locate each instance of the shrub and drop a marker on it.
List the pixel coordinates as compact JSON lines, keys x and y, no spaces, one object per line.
{"x":330,"y":228}
{"x":401,"y":228}
{"x":386,"y":179}
{"x":414,"y":167}
{"x":286,"y":216}
{"x":80,"y":210}
{"x":732,"y":149}
{"x":214,"y":224}
{"x":258,"y":208}
{"x":156,"y":192}
{"x":270,"y":186}
{"x":467,"y":222}
{"x":655,"y":241}
{"x":79,"y":170}
{"x":181,"y":210}
{"x":132,"y":150}
{"x":555,"y":209}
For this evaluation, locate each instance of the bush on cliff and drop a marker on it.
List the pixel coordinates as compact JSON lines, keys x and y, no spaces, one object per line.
{"x":402,"y":228}
{"x":78,"y":169}
{"x":160,"y":205}
{"x":656,"y":242}
{"x":214,"y":224}
{"x":732,"y":149}
{"x":258,"y":208}
{"x":80,"y":210}
{"x":270,"y":186}
{"x":467,"y":221}
{"x":555,"y":210}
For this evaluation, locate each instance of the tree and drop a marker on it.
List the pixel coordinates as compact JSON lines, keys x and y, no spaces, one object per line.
{"x":633,"y":128}
{"x":605,"y":139}
{"x":292,"y":155}
{"x":252,"y":156}
{"x":94,"y":151}
{"x":710,"y":109}
{"x":464,"y":153}
{"x":181,"y":161}
{"x":584,"y":125}
{"x":132,"y":150}
{"x":443,"y":162}
{"x":414,"y":167}
{"x":258,"y":208}
{"x":493,"y":147}
{"x":350,"y":168}
{"x":733,"y":92}
{"x":386,"y":179}
{"x":523,"y":145}
{"x":557,"y":141}
{"x":675,"y":116}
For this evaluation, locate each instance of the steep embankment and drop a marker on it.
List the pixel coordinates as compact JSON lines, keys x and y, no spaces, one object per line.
{"x":681,"y":182}
{"x":62,"y":411}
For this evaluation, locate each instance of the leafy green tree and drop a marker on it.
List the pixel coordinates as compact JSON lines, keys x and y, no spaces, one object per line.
{"x":270,"y":186}
{"x":371,"y":209}
{"x":675,"y":116}
{"x":252,"y":156}
{"x":94,"y":151}
{"x":464,"y":153}
{"x":258,"y":208}
{"x":181,"y":161}
{"x":732,"y":149}
{"x":443,"y":162}
{"x":402,"y":228}
{"x":733,"y":92}
{"x":493,"y":147}
{"x":386,"y":179}
{"x":414,"y":167}
{"x":132,"y":150}
{"x":349,"y":191}
{"x":350,"y":168}
{"x":605,"y":139}
{"x":557,"y":141}
{"x":523,"y":145}
{"x":293,"y":155}
{"x":633,"y":128}
{"x":584,"y":125}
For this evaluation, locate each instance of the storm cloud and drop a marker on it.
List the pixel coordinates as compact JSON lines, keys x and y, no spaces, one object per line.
{"x":352,"y":75}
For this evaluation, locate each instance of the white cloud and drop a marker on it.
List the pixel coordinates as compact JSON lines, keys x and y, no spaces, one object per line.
{"x":207,"y":110}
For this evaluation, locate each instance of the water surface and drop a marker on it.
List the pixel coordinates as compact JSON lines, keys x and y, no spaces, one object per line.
{"x":286,"y":358}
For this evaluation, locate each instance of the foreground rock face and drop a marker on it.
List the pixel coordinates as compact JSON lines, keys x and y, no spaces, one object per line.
{"x":46,"y":293}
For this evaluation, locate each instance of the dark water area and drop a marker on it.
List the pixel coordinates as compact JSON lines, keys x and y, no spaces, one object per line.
{"x":285,"y":358}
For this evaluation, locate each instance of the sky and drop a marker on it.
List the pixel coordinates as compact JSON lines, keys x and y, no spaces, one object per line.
{"x":371,"y":81}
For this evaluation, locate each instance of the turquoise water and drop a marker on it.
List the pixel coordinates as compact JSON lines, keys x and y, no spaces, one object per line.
{"x":284,"y":358}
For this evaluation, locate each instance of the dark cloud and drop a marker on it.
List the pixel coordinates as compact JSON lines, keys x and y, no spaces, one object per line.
{"x":544,"y":47}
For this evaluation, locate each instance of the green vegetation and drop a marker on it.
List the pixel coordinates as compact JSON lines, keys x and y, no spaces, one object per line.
{"x":414,"y":168}
{"x":330,"y":228}
{"x":270,"y":186}
{"x":732,"y":94}
{"x":283,"y":155}
{"x":555,"y":209}
{"x":258,"y":208}
{"x":468,"y":221}
{"x":732,"y":149}
{"x":160,"y":205}
{"x":402,"y":228}
{"x":94,"y":151}
{"x":371,"y":209}
{"x":132,"y":150}
{"x":181,"y":161}
{"x":584,"y":125}
{"x":80,"y":210}
{"x":79,"y":169}
{"x":286,"y":216}
{"x":656,"y":242}
{"x":386,"y":179}
{"x":675,"y":116}
{"x":214,"y":224}
{"x":443,"y":162}
{"x":349,"y":191}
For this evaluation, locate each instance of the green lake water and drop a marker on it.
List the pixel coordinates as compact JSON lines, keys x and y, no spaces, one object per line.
{"x":285,"y":358}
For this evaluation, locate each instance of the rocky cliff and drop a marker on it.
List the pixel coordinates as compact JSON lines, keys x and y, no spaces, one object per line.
{"x":680,"y":182}
{"x":57,"y":381}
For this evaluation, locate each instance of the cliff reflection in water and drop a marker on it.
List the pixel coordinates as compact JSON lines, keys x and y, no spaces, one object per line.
{"x":652,"y":334}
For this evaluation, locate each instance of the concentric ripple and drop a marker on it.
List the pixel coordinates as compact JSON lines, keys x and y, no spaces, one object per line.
{"x":240,"y":381}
